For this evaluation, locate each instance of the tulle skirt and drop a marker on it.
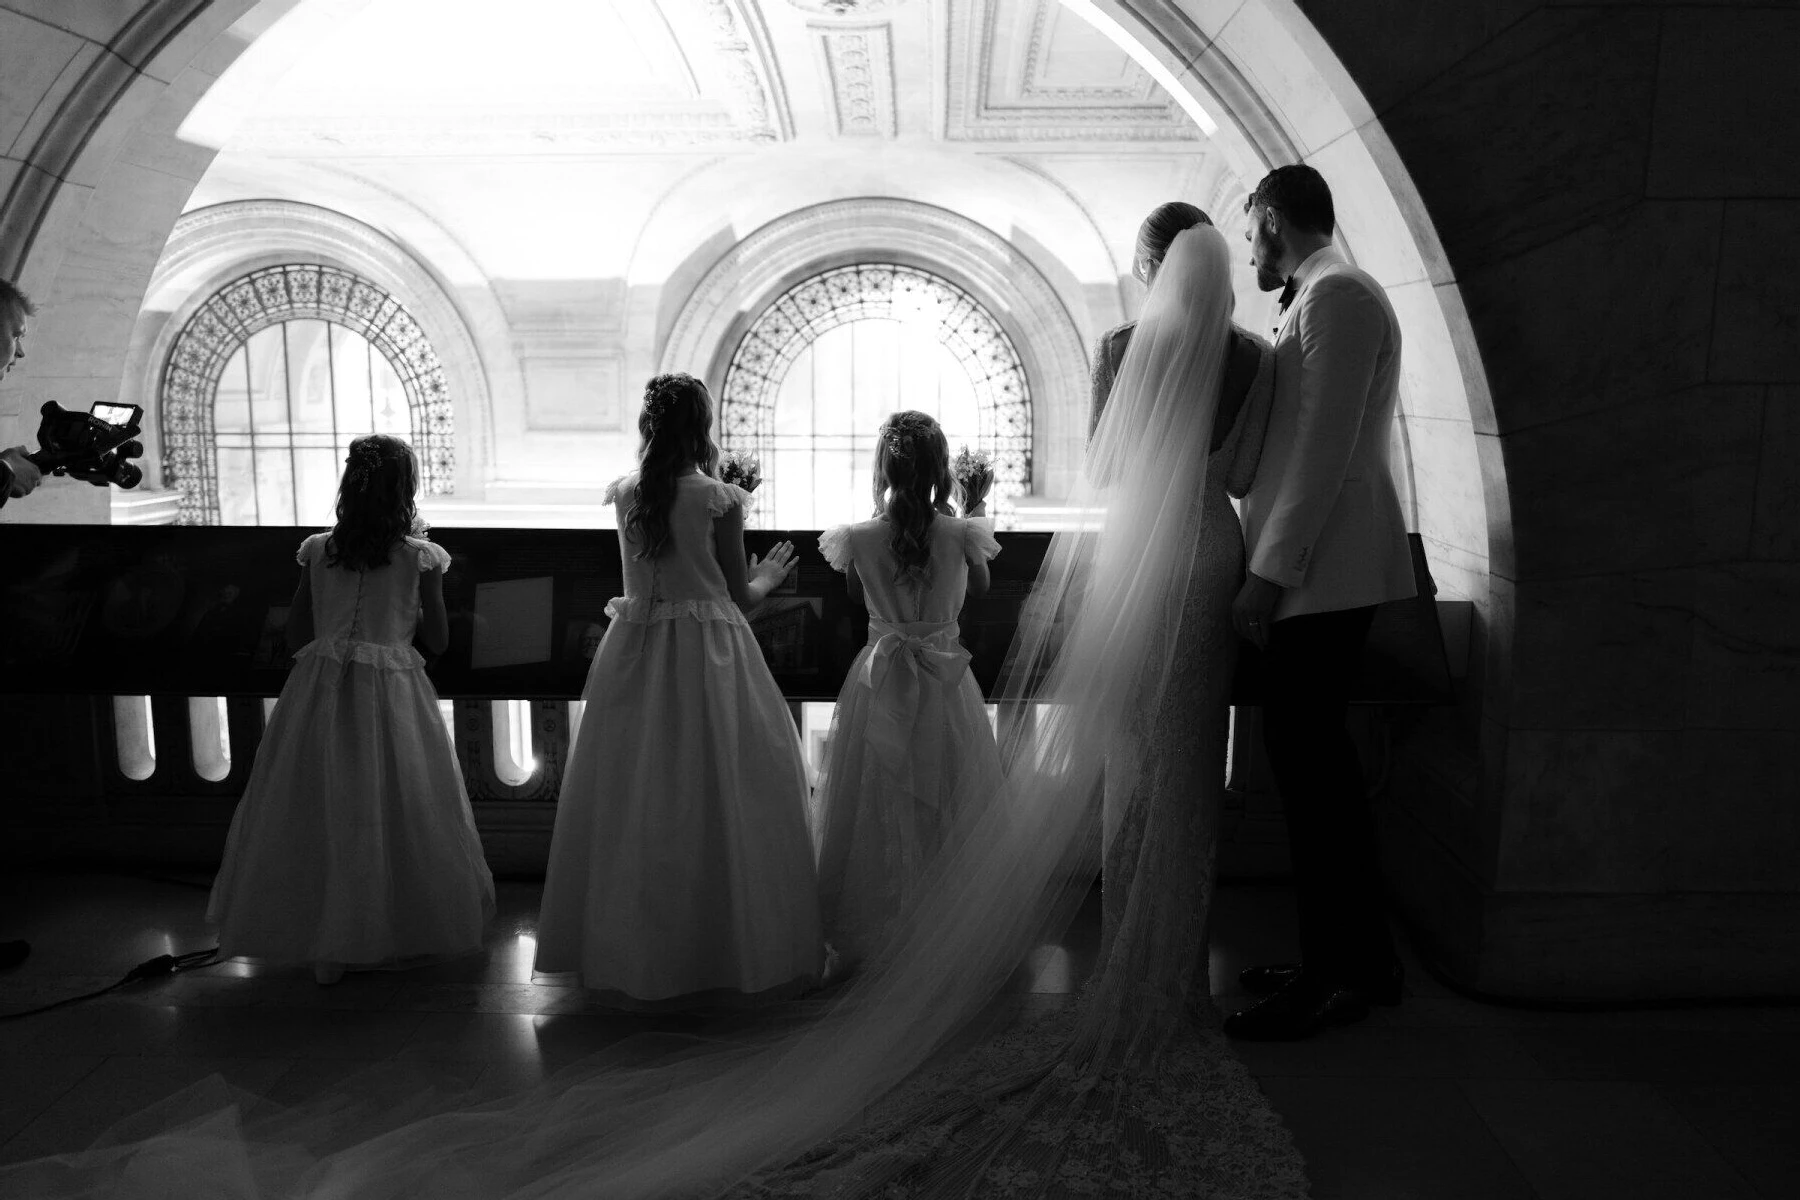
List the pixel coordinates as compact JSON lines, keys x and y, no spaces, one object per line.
{"x":681,"y":862}
{"x":353,"y":842}
{"x":888,"y":796}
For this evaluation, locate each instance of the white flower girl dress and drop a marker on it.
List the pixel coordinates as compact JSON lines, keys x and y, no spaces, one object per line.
{"x":681,"y":862}
{"x":354,"y":842}
{"x":910,"y":745}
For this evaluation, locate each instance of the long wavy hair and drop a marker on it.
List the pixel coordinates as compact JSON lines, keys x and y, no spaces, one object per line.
{"x":375,"y":503}
{"x":676,"y":428}
{"x":912,"y":486}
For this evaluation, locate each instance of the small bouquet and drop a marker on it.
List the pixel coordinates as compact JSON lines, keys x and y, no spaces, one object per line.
{"x":740,"y":467}
{"x":974,"y":473}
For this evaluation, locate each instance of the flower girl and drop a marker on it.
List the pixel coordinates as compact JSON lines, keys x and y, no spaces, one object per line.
{"x":910,"y":746}
{"x":353,"y":843}
{"x":680,"y":863}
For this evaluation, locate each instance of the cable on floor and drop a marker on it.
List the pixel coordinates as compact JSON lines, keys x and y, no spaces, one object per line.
{"x":162,"y":966}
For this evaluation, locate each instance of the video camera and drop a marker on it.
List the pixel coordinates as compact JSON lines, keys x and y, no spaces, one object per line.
{"x":96,"y":445}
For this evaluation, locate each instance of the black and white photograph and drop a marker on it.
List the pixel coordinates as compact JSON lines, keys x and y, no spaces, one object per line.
{"x":899,"y":599}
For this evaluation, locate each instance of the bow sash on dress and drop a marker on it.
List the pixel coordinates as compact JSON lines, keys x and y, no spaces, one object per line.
{"x":903,"y":655}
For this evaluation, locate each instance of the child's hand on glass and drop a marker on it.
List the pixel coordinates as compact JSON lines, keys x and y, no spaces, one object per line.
{"x":772,"y":570}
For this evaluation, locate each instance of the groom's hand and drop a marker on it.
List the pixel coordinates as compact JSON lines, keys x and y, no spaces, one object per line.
{"x":1253,"y":612}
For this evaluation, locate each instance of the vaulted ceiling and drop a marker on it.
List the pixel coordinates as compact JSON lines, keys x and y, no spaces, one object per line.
{"x":592,"y":138}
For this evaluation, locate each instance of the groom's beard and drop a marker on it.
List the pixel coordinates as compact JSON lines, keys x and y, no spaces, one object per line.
{"x":1271,"y":248}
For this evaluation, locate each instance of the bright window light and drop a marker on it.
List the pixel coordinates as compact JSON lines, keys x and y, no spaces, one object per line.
{"x":135,"y":733}
{"x":209,"y":734}
{"x":513,"y":760}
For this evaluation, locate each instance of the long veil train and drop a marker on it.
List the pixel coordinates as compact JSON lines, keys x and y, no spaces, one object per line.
{"x":1125,"y":1087}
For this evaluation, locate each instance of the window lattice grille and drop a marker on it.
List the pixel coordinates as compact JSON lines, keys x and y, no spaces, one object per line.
{"x":882,"y":290}
{"x":247,"y":305}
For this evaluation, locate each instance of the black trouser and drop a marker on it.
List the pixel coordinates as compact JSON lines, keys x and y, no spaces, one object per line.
{"x":1307,"y":673}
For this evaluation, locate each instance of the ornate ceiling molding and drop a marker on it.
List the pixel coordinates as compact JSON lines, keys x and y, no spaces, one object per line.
{"x":759,"y":102}
{"x":857,"y":66}
{"x":996,"y":90}
{"x":843,"y":8}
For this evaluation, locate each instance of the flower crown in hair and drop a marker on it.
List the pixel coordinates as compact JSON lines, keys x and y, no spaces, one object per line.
{"x":660,"y":395}
{"x":901,"y":434}
{"x":365,"y":456}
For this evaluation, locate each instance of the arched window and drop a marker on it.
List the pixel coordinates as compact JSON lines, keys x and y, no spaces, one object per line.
{"x":823,"y":364}
{"x":272,"y":377}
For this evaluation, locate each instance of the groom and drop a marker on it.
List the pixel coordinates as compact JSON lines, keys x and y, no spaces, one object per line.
{"x":1326,"y":543}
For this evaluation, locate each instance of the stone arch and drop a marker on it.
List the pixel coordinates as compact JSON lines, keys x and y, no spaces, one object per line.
{"x":213,"y":245}
{"x":227,"y":318}
{"x":747,"y":278}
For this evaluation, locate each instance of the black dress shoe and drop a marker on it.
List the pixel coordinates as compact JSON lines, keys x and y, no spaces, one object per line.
{"x":1269,"y":978}
{"x":1297,"y":1011}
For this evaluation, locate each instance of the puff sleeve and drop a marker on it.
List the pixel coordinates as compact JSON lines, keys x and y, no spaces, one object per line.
{"x":979,"y":540}
{"x":724,"y":497}
{"x":834,"y":544}
{"x":432,"y":557}
{"x":311,"y":550}
{"x":618,"y":487}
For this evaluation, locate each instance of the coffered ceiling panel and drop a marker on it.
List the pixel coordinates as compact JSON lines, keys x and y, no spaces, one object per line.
{"x":1032,"y":71}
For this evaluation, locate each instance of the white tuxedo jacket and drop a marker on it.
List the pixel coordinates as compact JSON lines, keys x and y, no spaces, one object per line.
{"x":1323,"y":519}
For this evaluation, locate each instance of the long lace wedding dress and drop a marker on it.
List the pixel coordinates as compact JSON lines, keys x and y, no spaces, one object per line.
{"x":1128,"y":1092}
{"x":1133,"y":1091}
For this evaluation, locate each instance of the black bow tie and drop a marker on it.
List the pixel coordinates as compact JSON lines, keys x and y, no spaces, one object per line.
{"x":1287,"y":295}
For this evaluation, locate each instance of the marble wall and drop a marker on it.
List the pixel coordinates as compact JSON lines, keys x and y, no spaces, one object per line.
{"x":1610,"y":194}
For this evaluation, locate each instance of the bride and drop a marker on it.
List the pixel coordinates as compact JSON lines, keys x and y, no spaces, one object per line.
{"x":1129,"y":1091}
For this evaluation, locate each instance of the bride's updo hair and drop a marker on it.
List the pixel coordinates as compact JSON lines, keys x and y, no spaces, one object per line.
{"x":912,"y":486}
{"x":1159,"y":229}
{"x":676,"y":427}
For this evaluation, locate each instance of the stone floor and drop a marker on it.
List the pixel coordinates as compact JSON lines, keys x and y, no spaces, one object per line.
{"x":1439,"y":1099}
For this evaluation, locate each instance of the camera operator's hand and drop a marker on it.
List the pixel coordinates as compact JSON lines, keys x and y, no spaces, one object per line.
{"x":24,"y":474}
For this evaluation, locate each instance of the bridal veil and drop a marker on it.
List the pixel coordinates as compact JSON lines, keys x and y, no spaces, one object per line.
{"x":811,"y":1102}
